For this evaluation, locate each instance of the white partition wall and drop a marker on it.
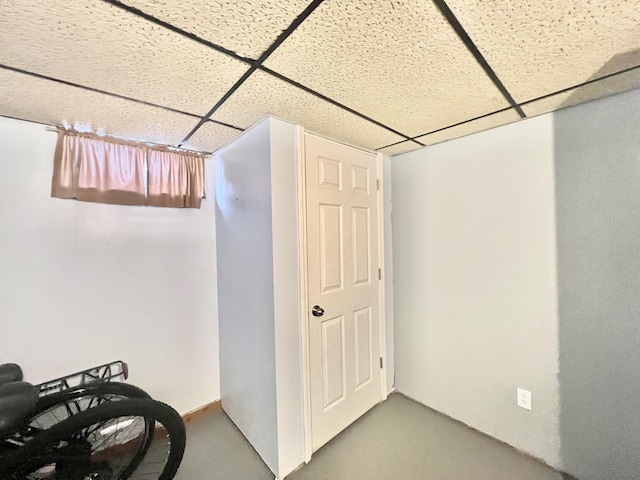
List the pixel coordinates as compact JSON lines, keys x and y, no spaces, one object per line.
{"x":259,"y":291}
{"x":287,"y":295}
{"x":262,"y":302}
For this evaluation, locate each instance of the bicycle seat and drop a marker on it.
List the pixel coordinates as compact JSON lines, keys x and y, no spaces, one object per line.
{"x":17,"y":401}
{"x":10,"y":372}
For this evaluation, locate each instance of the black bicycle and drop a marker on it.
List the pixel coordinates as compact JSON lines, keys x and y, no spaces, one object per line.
{"x":86,"y":426}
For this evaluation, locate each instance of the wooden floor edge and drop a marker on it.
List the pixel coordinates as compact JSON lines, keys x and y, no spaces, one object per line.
{"x":200,"y":411}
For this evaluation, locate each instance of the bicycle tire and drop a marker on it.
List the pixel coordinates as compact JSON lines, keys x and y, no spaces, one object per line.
{"x":44,"y":447}
{"x":54,"y":408}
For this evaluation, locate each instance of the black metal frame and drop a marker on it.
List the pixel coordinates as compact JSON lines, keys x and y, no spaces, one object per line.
{"x":109,"y":372}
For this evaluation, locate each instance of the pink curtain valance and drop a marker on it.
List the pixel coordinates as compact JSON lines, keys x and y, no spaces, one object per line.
{"x":91,"y":168}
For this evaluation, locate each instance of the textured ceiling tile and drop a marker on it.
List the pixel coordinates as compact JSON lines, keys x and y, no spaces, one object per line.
{"x":485,"y":123}
{"x":247,"y":27}
{"x":264,"y":94}
{"x":538,"y":47}
{"x":95,"y":44}
{"x":211,"y":136}
{"x":602,"y":88}
{"x":397,"y":62}
{"x":403,"y":147}
{"x":30,"y":98}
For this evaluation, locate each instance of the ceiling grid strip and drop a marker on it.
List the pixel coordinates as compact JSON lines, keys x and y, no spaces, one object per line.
{"x":92,"y":89}
{"x":252,"y":62}
{"x":110,"y":94}
{"x":447,"y":127}
{"x":258,"y":63}
{"x":179,"y":31}
{"x":337,"y":104}
{"x":464,"y":36}
{"x":583,"y":84}
{"x":542,"y":97}
{"x":463,"y":122}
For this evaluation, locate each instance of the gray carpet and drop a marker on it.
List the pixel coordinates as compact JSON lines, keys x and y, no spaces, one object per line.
{"x":398,"y":439}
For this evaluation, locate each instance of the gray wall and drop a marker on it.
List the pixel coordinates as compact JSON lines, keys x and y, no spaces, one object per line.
{"x":475,"y":282}
{"x":597,"y":165}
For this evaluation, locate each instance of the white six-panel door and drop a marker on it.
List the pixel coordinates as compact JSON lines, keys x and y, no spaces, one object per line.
{"x":342,"y":269}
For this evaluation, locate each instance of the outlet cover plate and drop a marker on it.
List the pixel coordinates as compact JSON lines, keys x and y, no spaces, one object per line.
{"x":523,"y":398}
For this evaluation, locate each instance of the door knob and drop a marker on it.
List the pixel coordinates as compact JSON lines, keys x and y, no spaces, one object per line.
{"x":317,"y":311}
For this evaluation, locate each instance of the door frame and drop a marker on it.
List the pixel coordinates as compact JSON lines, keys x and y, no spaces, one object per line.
{"x":304,"y":286}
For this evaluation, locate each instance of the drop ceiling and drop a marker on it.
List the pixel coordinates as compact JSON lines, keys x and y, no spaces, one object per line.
{"x":387,"y":75}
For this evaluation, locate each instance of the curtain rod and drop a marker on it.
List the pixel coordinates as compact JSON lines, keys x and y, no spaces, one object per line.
{"x":54,"y":128}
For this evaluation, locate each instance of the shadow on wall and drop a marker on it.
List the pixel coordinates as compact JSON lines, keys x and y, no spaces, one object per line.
{"x":597,"y":171}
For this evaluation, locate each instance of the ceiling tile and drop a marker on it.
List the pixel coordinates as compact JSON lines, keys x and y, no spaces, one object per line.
{"x":247,"y":27}
{"x":43,"y":101}
{"x":399,"y":148}
{"x":263,"y":94}
{"x":95,"y":44}
{"x":484,"y":123}
{"x":397,"y":62}
{"x":602,"y":88}
{"x":211,"y":136}
{"x":542,"y":46}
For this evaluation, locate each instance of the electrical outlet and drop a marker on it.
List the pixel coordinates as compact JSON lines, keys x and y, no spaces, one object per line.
{"x":523,"y":398}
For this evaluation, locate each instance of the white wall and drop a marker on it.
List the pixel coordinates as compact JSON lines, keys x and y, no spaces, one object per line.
{"x":83,"y":284}
{"x":475,"y":282}
{"x":388,"y":272}
{"x":244,"y":235}
{"x":287,"y":294}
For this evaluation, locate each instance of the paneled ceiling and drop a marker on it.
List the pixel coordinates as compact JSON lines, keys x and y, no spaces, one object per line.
{"x":388,"y":75}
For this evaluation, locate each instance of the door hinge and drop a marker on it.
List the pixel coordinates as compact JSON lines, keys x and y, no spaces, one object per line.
{"x":379,"y":274}
{"x":381,"y":362}
{"x":378,"y":183}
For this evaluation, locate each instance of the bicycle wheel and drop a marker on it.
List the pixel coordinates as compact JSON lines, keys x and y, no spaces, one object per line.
{"x":54,"y":408}
{"x":104,"y":443}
